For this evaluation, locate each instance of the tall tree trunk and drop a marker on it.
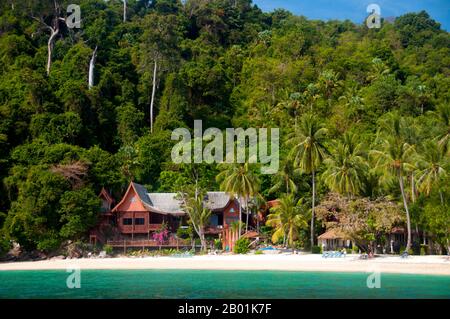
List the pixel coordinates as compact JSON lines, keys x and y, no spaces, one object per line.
{"x":240,"y":217}
{"x":91,"y":68}
{"x":124,"y":10}
{"x":50,"y":44}
{"x":203,"y":240}
{"x":448,"y":246}
{"x":153,"y":96}
{"x":246,"y":210}
{"x":408,"y":220}
{"x":257,"y":223}
{"x":291,"y":236}
{"x":312,"y":209}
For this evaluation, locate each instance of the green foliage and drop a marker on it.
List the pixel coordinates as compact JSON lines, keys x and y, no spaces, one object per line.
{"x":79,"y":209}
{"x":108,"y":249}
{"x":231,"y":65}
{"x":185,"y":233}
{"x":287,"y":218}
{"x":241,"y":246}
{"x":316,"y":250}
{"x":218,"y":244}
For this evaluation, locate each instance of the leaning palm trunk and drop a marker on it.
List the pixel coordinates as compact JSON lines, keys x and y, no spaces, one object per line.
{"x":312,"y":210}
{"x":291,"y":236}
{"x":408,"y":220}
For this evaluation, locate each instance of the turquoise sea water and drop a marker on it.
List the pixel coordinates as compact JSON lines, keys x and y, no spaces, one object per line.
{"x":193,"y":284}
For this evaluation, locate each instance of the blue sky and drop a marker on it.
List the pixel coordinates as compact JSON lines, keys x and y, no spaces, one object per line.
{"x":355,"y":10}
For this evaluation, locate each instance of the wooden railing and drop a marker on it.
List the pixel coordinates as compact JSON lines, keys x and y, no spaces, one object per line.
{"x":149,"y":243}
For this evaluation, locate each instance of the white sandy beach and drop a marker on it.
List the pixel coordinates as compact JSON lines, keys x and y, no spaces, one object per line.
{"x":437,"y":265}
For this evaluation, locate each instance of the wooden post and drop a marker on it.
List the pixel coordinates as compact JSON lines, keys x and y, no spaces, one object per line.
{"x":124,"y":246}
{"x":132,"y":227}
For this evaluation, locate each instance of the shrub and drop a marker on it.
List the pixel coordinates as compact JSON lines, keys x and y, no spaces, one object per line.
{"x":316,"y":250}
{"x":241,"y":246}
{"x":48,"y":244}
{"x":258,"y":252}
{"x":348,"y":250}
{"x":424,"y":250}
{"x":108,"y":249}
{"x":218,"y":244}
{"x":184,"y":233}
{"x":5,"y":244}
{"x":416,"y":248}
{"x":355,"y":249}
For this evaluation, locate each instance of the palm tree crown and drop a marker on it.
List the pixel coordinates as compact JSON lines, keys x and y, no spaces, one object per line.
{"x":345,"y":170}
{"x":394,"y":156}
{"x":239,"y":181}
{"x":287,"y":218}
{"x":308,"y":151}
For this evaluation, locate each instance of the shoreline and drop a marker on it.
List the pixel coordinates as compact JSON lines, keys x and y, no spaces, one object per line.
{"x":422,"y":265}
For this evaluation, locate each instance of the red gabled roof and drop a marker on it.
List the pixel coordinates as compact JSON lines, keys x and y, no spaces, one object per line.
{"x":106,"y":195}
{"x":132,"y":186}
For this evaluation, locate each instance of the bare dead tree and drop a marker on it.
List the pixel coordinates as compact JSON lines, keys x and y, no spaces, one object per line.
{"x":124,"y":10}
{"x":73,"y":172}
{"x":54,"y":28}
{"x":91,"y":68}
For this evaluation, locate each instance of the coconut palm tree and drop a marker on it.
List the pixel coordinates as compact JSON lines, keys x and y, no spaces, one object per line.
{"x":198,"y":213}
{"x":328,"y":81}
{"x":394,"y":157}
{"x":240,"y":182}
{"x":287,"y":218}
{"x":353,"y":103}
{"x":308,"y":152}
{"x":284,"y":178}
{"x":345,"y":170}
{"x":442,"y":114}
{"x":379,"y":70}
{"x":311,"y":95}
{"x":433,"y":162}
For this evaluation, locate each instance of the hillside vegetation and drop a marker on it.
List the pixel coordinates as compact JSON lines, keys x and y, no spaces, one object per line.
{"x":381,"y":97}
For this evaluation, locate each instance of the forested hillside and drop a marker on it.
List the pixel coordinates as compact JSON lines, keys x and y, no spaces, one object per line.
{"x":381,"y":96}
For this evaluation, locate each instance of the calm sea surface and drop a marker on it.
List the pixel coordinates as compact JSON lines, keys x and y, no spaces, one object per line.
{"x":192,"y":284}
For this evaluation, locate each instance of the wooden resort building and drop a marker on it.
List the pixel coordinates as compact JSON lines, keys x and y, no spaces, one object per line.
{"x":134,"y":219}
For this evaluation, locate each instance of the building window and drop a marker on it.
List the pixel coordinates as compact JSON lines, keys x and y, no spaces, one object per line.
{"x":127,"y":221}
{"x":139,"y":221}
{"x":156,"y":218}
